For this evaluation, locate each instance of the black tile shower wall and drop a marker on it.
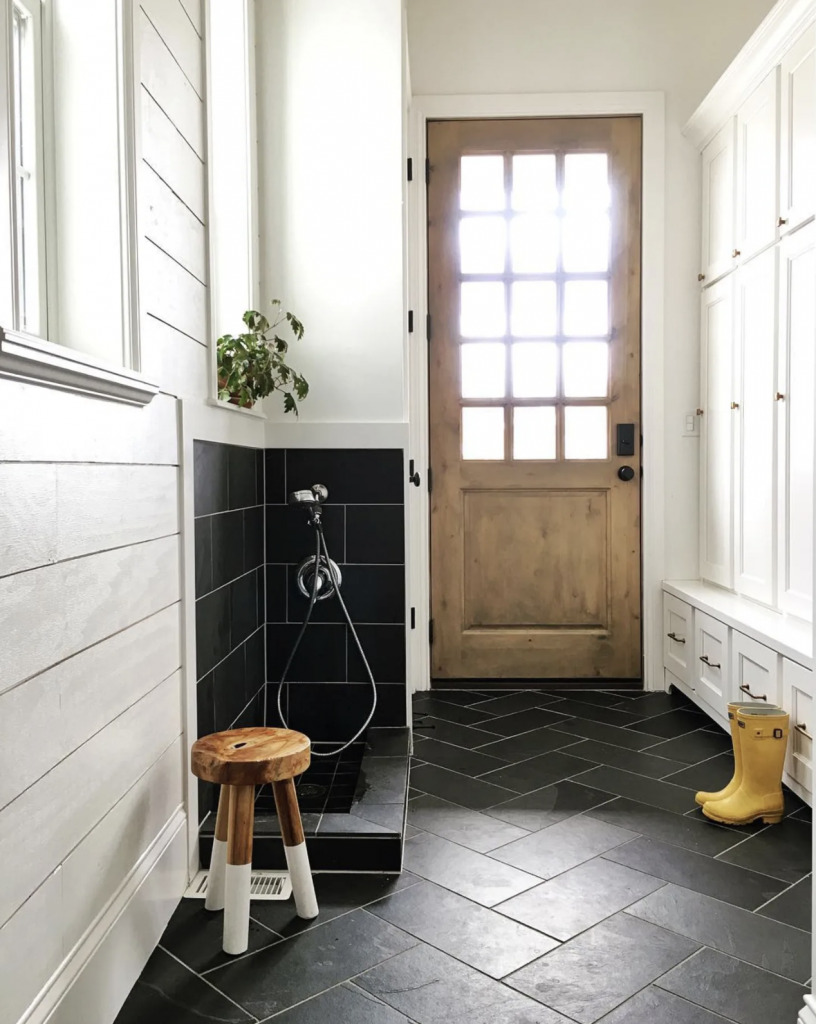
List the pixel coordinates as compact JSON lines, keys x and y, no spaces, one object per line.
{"x":230,"y":590}
{"x":364,"y":523}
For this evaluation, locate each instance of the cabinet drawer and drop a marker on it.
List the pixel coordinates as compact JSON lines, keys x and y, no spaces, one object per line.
{"x":755,"y":670}
{"x":677,"y":637}
{"x":797,"y":683}
{"x":712,"y":677}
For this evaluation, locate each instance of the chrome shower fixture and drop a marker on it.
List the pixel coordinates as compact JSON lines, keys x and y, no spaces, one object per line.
{"x":329,"y":577}
{"x":311,"y":501}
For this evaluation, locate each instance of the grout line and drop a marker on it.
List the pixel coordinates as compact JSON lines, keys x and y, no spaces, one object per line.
{"x":205,"y":980}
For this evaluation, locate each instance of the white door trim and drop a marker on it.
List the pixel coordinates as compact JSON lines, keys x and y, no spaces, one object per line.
{"x":651,"y":106}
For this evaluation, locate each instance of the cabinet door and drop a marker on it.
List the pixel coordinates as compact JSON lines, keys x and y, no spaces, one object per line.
{"x":718,"y":204}
{"x":797,"y":700}
{"x":712,"y":681}
{"x":716,"y":435}
{"x":798,"y":132}
{"x":758,"y":168}
{"x":754,"y":670}
{"x":797,"y":373}
{"x":755,"y":420}
{"x":677,"y":637}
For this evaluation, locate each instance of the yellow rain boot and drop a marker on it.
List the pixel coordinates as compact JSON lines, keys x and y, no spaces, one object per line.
{"x":733,"y":785}
{"x":763,"y":738}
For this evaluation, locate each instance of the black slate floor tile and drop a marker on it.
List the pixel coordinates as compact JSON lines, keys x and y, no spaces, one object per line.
{"x":656,"y":1006}
{"x":540,"y":771}
{"x":468,"y":762}
{"x":580,"y":727}
{"x":580,"y":898}
{"x":528,"y":744}
{"x":702,"y":874}
{"x":794,"y":906}
{"x":712,"y":775}
{"x":642,"y":763}
{"x":654,"y":792}
{"x":592,"y":974}
{"x":803,"y":814}
{"x":473,"y":934}
{"x":674,"y":723}
{"x":513,"y":703}
{"x":600,"y":698}
{"x":543,"y":807}
{"x":651,"y":704}
{"x":783,"y":850}
{"x":463,"y":697}
{"x":289,"y":972}
{"x":458,"y":788}
{"x":433,"y":988}
{"x":341,"y":1004}
{"x":596,"y":713}
{"x":764,"y":943}
{"x":448,"y":712}
{"x":525,"y":721}
{"x":168,"y":993}
{"x":677,"y":829}
{"x":562,"y":846}
{"x":195,"y":936}
{"x":740,"y":991}
{"x":473,"y":875}
{"x":467,"y":736}
{"x":472,"y":829}
{"x":693,"y":747}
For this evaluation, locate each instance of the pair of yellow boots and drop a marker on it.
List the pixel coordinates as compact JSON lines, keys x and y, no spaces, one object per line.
{"x":759,"y":733}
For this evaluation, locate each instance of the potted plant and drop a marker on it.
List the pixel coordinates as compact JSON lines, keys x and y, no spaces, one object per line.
{"x":253,"y":365}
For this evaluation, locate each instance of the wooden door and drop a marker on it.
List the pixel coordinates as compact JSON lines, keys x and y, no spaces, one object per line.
{"x":534,"y":296}
{"x":718,"y":237}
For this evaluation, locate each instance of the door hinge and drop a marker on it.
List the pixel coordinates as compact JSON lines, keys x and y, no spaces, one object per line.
{"x":427,"y":171}
{"x":413,"y":618}
{"x":428,"y":326}
{"x":430,"y":479}
{"x":410,"y":169}
{"x":410,"y":321}
{"x":430,"y":631}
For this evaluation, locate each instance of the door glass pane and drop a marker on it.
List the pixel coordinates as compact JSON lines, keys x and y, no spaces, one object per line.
{"x":483,"y":370}
{"x":535,"y":369}
{"x":483,"y":433}
{"x":483,"y":313}
{"x":482,"y":245}
{"x":534,"y":244}
{"x":586,"y":308}
{"x":586,"y":243}
{"x":586,"y":369}
{"x":482,"y":183}
{"x":585,"y":432}
{"x":534,"y":433}
{"x":534,"y":305}
{"x":586,"y":181}
{"x":534,"y":185}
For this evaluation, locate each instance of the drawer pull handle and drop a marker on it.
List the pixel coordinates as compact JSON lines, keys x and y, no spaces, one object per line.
{"x":802,"y":728}
{"x":711,"y":664}
{"x":677,"y":639}
{"x":753,"y":696}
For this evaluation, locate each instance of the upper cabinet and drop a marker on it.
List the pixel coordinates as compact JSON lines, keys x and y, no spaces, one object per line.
{"x":757,"y":213}
{"x":718,"y":204}
{"x":798,"y":139}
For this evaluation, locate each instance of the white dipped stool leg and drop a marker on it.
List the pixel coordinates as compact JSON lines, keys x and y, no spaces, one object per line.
{"x":218,"y":861}
{"x":294,"y":844}
{"x":239,"y":869}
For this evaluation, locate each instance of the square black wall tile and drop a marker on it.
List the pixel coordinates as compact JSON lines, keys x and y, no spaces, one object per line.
{"x":275,"y":476}
{"x":354,"y":476}
{"x":229,"y":689}
{"x":290,"y":538}
{"x":260,"y":482}
{"x":212,"y":629}
{"x":391,"y":705}
{"x":205,"y":706}
{"x":243,"y":477}
{"x":244,"y":607}
{"x":203,"y":556}
{"x":328,"y":712}
{"x":375,"y":534}
{"x":321,"y":656}
{"x":210,"y":477}
{"x":276,"y":593}
{"x":255,"y":656}
{"x":253,"y":537}
{"x":384,"y":648}
{"x":227,"y":547}
{"x":375,"y":593}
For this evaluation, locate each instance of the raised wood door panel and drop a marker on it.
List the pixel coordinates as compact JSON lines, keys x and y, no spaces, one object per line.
{"x":795,"y":421}
{"x":797,"y":700}
{"x":716,"y":434}
{"x":712,"y":678}
{"x":534,"y":296}
{"x":798,"y":132}
{"x":755,"y":421}
{"x":678,"y":638}
{"x":718,"y":237}
{"x":758,"y":168}
{"x":755,"y":670}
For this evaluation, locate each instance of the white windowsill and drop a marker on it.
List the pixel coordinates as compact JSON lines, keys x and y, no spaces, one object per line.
{"x":255,"y":411}
{"x":34,"y":361}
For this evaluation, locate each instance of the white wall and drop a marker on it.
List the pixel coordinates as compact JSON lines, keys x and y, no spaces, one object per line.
{"x":331,"y":172}
{"x":518,"y":46}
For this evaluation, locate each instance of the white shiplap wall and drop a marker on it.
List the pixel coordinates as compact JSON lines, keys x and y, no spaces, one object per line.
{"x":92,"y":757}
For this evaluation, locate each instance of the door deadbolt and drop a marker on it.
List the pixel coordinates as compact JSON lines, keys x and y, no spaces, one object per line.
{"x":626,"y":473}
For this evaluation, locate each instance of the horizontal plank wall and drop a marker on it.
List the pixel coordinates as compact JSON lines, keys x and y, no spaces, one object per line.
{"x":92,"y":751}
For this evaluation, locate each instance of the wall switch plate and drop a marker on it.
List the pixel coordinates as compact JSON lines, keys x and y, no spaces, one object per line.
{"x":692,"y":425}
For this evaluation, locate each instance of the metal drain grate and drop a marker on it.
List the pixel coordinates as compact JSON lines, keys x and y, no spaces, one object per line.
{"x":311,"y":789}
{"x":264,"y":885}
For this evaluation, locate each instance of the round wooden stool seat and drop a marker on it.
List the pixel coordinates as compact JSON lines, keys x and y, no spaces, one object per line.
{"x":250,"y":757}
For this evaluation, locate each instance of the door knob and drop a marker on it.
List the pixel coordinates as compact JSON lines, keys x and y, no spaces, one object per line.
{"x":626,"y":473}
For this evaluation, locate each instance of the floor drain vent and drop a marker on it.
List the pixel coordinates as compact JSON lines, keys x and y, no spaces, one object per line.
{"x":264,"y":885}
{"x":308,"y":790}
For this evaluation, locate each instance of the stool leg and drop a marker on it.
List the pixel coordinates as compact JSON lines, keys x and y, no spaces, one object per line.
{"x":218,"y":861}
{"x":294,"y":846}
{"x":239,"y":869}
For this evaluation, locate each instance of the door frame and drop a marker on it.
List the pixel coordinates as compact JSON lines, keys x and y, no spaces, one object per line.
{"x":651,"y":107}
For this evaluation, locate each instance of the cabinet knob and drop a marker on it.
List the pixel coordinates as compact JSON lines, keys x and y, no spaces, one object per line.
{"x":700,"y":412}
{"x":735,"y":405}
{"x":735,"y":253}
{"x":701,"y":277}
{"x":782,"y":221}
{"x":780,"y":397}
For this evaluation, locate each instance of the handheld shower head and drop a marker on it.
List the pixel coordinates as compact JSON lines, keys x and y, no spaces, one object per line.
{"x":311,"y":501}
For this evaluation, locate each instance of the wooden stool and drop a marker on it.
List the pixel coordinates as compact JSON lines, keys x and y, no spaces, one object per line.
{"x":238,"y":761}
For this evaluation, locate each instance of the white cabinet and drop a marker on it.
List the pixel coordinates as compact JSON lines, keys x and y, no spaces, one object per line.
{"x":755,"y":671}
{"x":797,"y":700}
{"x":798,"y":132}
{"x":712,"y":682}
{"x":797,"y":339}
{"x":716,"y":435}
{"x":758,"y":168}
{"x":754,"y":420}
{"x":718,"y":240}
{"x":677,"y":637}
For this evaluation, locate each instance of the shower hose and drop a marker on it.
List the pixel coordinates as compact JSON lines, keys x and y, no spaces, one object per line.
{"x":319,"y":554}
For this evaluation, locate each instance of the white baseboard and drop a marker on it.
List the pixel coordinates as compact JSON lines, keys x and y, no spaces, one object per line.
{"x":94,"y":980}
{"x":807,"y":1015}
